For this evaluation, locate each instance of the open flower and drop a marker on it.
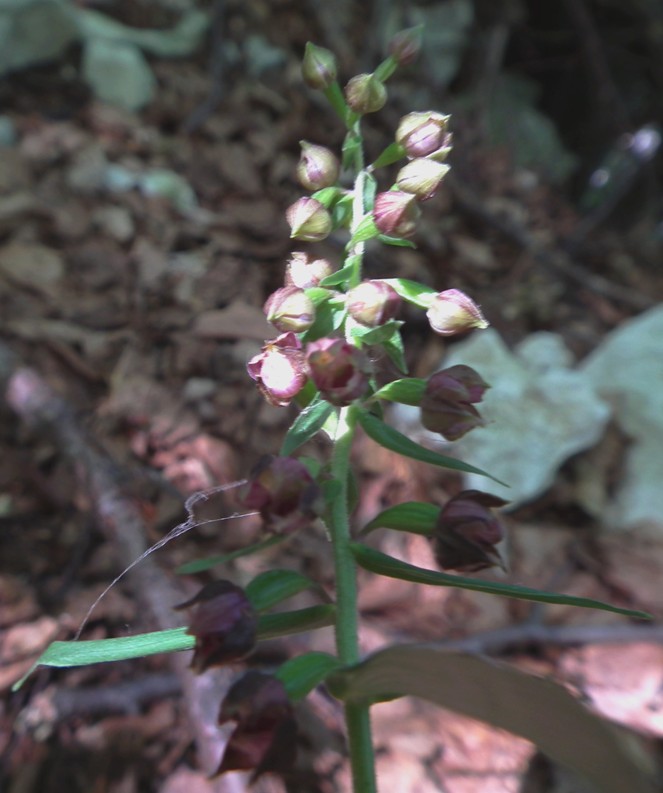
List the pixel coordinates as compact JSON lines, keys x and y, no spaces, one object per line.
{"x":224,"y":624}
{"x":279,"y":369}
{"x":467,"y":532}
{"x":338,"y":369}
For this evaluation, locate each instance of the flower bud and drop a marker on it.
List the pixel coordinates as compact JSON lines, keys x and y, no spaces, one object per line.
{"x":290,"y":309}
{"x":453,"y":312}
{"x":318,"y":167}
{"x":396,"y":213}
{"x":421,"y":177}
{"x":372,"y":303}
{"x":265,"y":738}
{"x":308,"y":220}
{"x":224,"y":624}
{"x":405,"y":46}
{"x":303,"y":271}
{"x":318,"y":67}
{"x":423,"y":133}
{"x":365,"y":94}
{"x":339,"y":370}
{"x":285,"y":494}
{"x":446,"y":405}
{"x":280,"y":369}
{"x":467,"y":532}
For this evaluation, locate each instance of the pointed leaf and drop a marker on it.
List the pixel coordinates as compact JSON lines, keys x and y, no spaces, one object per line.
{"x":380,"y":563}
{"x":318,"y":295}
{"x":395,"y":350}
{"x":274,"y":586}
{"x":407,"y":391}
{"x":199,"y":565}
{"x":379,"y":335}
{"x":532,"y":707}
{"x":309,"y":619}
{"x":336,"y":99}
{"x":394,"y":440}
{"x":366,"y":230}
{"x":300,"y":675}
{"x":345,"y":275}
{"x":307,"y":424}
{"x":413,"y":516}
{"x":412,"y":291}
{"x":397,"y":242}
{"x":328,"y":196}
{"x":393,"y":153}
{"x":370,"y":188}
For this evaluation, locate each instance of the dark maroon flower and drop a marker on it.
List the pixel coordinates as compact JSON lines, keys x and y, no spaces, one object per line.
{"x":265,"y":738}
{"x":446,"y":406}
{"x":405,"y":46}
{"x":224,"y":624}
{"x":467,"y":532}
{"x":285,"y":494}
{"x":372,"y":303}
{"x":452,"y":312}
{"x":396,"y":213}
{"x":290,"y":309}
{"x":318,"y":166}
{"x":280,"y":369}
{"x":338,"y":369}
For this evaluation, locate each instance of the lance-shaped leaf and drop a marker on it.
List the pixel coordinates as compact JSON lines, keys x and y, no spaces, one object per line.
{"x":380,"y":563}
{"x":393,"y":153}
{"x":407,"y":391}
{"x":397,"y":242}
{"x":413,"y":516}
{"x":534,"y":708}
{"x":274,"y":586}
{"x":199,"y":565}
{"x":412,"y":291}
{"x":394,"y":440}
{"x":300,"y":675}
{"x":270,"y":626}
{"x":307,"y":424}
{"x":366,"y":230}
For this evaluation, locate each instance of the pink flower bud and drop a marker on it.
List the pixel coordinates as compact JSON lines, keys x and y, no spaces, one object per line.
{"x":423,"y":133}
{"x":365,"y":94}
{"x":318,"y":67}
{"x":318,"y":167}
{"x":467,"y":532}
{"x":405,"y":46}
{"x":339,"y":370}
{"x":372,"y":303}
{"x":452,"y":312}
{"x":421,"y":177}
{"x":265,"y":738}
{"x":446,"y":406}
{"x":224,"y":624}
{"x":308,"y":220}
{"x":285,"y":494}
{"x":303,"y":271}
{"x":280,"y":369}
{"x":396,"y":213}
{"x":290,"y":309}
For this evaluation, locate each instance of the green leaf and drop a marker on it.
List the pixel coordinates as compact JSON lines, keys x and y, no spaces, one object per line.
{"x":407,"y":391}
{"x":342,"y":212}
{"x":415,"y":293}
{"x":398,"y":242}
{"x":352,"y":146}
{"x":328,"y":196}
{"x":302,"y":674}
{"x":413,"y":516}
{"x":395,"y":441}
{"x":533,"y":707}
{"x":366,"y":230}
{"x":396,"y":352}
{"x":345,"y":275}
{"x":380,"y":563}
{"x":318,"y":295}
{"x":393,"y":153}
{"x":327,"y":318}
{"x":199,"y":565}
{"x":386,"y":68}
{"x":274,"y":586}
{"x":271,"y":626}
{"x":336,"y":99}
{"x":378,"y":335}
{"x":370,"y":188}
{"x":307,"y":424}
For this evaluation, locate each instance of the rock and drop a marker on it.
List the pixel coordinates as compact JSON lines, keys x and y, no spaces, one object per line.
{"x":118,"y":73}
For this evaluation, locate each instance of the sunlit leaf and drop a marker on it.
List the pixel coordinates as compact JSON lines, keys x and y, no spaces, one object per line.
{"x":393,"y":153}
{"x":412,"y":291}
{"x":407,"y":391}
{"x":366,"y":230}
{"x":307,"y":424}
{"x":413,"y":516}
{"x":398,"y":242}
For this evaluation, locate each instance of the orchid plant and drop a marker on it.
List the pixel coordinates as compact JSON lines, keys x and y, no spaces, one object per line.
{"x":339,"y":356}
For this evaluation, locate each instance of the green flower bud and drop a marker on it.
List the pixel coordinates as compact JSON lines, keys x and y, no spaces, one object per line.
{"x":421,"y":177}
{"x":318,"y":167}
{"x":309,"y":220}
{"x":318,"y":67}
{"x":365,"y":94}
{"x":405,"y":46}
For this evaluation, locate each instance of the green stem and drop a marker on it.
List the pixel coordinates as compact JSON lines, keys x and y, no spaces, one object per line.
{"x":347,"y":646}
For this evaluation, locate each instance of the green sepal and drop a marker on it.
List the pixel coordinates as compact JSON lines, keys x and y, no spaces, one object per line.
{"x":393,"y":153}
{"x":413,"y":292}
{"x":377,"y":562}
{"x":307,"y":424}
{"x":395,"y":441}
{"x":415,"y":517}
{"x":319,"y":295}
{"x":407,"y":391}
{"x":274,"y":586}
{"x":200,"y":565}
{"x":300,"y":675}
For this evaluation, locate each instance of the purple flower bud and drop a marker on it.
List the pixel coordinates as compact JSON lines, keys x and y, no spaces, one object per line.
{"x":224,"y":624}
{"x":318,"y":166}
{"x":365,"y":94}
{"x":452,"y":312}
{"x":467,"y":532}
{"x":422,"y":134}
{"x":280,"y":369}
{"x":290,"y":309}
{"x":339,"y":370}
{"x":421,"y":177}
{"x":405,"y":46}
{"x":396,"y":213}
{"x":308,"y":220}
{"x":318,"y":67}
{"x":265,"y":738}
{"x":446,"y":405}
{"x":372,"y":303}
{"x":303,"y":271}
{"x":285,"y":494}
